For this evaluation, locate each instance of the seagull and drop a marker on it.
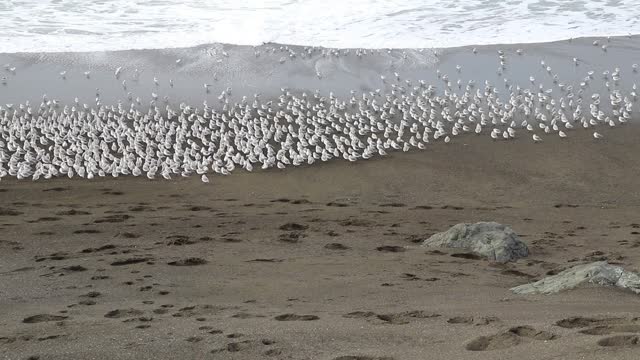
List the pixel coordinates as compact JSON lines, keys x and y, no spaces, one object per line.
{"x":597,"y":135}
{"x":536,"y":138}
{"x":118,"y":70}
{"x":204,"y":179}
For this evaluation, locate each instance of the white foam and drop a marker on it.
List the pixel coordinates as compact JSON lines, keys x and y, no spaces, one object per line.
{"x":71,"y":25}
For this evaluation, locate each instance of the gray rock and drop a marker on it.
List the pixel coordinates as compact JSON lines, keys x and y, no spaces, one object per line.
{"x":492,"y":240}
{"x":597,"y":273}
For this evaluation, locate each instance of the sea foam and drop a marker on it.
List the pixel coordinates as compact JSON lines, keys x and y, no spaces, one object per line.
{"x":69,"y":25}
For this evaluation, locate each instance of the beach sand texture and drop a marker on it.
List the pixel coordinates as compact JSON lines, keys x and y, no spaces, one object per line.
{"x":322,"y":261}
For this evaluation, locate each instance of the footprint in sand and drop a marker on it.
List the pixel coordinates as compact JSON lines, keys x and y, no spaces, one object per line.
{"x":43,"y":318}
{"x":128,"y":235}
{"x":468,"y":256}
{"x":266,"y":260}
{"x":118,"y":218}
{"x":122,"y":313}
{"x":620,"y":340}
{"x":243,"y":315}
{"x":295,"y":317}
{"x":461,"y":320}
{"x":130,"y":261}
{"x":192,"y":261}
{"x":391,"y":248}
{"x":363,"y":357}
{"x":336,"y":246}
{"x":273,"y":352}
{"x":393,"y":204}
{"x":337,"y":204}
{"x":292,"y":237}
{"x":406,"y":316}
{"x":179,"y":240}
{"x":359,"y":315}
{"x":293,"y":227}
{"x":355,"y":222}
{"x":101,"y":248}
{"x":238,"y":346}
{"x":56,"y":189}
{"x":581,"y":322}
{"x":510,"y":338}
{"x":612,"y":329}
{"x":87,"y":231}
{"x":603,"y":326}
{"x":194,"y":339}
{"x":72,"y":212}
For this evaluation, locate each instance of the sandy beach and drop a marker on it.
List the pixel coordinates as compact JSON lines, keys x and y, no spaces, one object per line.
{"x":324,"y":261}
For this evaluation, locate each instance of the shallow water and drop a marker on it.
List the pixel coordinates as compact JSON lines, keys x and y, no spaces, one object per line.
{"x":79,"y":25}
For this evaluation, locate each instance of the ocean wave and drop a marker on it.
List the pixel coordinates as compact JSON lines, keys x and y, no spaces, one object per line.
{"x":67,"y":25}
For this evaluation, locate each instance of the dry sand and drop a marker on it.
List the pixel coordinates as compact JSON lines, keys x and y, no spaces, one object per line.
{"x":324,"y":262}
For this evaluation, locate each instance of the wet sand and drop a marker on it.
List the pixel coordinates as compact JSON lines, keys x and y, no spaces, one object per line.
{"x":37,"y":74}
{"x":323,"y":261}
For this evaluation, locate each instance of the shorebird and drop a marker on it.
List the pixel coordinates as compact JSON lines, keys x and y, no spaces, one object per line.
{"x":294,"y":128}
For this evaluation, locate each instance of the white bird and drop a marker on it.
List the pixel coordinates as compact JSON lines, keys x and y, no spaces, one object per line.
{"x":204,"y":179}
{"x":536,"y":138}
{"x":597,"y":135}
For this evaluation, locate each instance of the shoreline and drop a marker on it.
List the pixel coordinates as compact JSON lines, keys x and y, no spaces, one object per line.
{"x":39,"y":73}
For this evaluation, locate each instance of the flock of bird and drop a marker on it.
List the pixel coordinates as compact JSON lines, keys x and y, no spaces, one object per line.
{"x":51,"y":139}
